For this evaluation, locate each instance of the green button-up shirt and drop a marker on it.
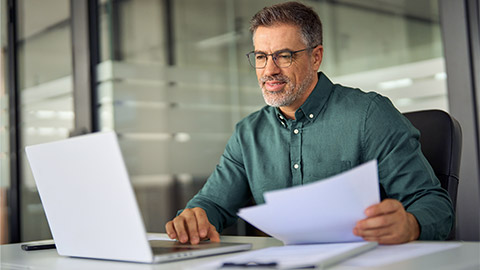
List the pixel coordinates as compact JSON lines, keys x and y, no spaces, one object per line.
{"x":335,"y":129}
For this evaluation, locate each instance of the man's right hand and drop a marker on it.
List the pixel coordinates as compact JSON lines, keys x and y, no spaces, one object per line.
{"x":192,"y":225}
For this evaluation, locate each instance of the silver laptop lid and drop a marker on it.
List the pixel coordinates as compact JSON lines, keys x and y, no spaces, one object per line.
{"x":88,"y":198}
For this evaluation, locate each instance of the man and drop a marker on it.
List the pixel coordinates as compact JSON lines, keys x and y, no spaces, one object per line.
{"x":312,"y":129}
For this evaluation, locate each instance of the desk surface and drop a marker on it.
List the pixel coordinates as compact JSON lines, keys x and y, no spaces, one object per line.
{"x":466,"y":256}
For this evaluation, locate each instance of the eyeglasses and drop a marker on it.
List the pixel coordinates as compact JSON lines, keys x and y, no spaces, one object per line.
{"x":282,"y":58}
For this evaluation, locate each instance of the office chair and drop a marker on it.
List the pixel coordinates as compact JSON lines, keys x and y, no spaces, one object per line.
{"x":441,"y":142}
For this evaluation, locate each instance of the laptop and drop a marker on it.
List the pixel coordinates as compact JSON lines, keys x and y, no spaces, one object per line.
{"x":91,"y":206}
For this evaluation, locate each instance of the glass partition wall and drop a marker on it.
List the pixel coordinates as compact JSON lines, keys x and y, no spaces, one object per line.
{"x":44,"y":54}
{"x":174,"y":79}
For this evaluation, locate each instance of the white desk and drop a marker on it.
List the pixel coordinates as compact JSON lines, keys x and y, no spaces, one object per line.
{"x":465,"y":257}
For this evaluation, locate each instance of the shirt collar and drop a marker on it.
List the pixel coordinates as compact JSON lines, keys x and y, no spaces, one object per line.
{"x":316,"y":101}
{"x":311,"y":108}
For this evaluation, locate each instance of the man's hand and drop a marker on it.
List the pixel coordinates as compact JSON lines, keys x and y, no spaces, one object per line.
{"x":388,"y":223}
{"x":192,"y":225}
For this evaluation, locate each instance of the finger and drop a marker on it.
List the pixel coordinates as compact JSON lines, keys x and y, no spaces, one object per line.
{"x":170,"y":230}
{"x":377,"y":222}
{"x":384,"y":207}
{"x":192,"y":228}
{"x":376,"y":233}
{"x":213,"y":234}
{"x":202,"y":222}
{"x":382,"y":235}
{"x":181,"y":224}
{"x":180,"y":229}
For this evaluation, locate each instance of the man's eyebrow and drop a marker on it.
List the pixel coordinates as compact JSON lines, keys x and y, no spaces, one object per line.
{"x":281,"y":50}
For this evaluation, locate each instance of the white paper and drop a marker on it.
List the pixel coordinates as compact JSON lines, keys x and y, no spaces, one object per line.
{"x":384,"y":255}
{"x":295,"y":256}
{"x":325,"y":211}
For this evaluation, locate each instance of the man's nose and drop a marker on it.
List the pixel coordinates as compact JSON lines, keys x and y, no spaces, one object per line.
{"x":271,"y":68}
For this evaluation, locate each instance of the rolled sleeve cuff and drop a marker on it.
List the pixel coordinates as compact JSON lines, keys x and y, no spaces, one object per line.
{"x":430,"y":230}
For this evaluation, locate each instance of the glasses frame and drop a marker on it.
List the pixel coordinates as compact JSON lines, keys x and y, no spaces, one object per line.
{"x":274,"y":56}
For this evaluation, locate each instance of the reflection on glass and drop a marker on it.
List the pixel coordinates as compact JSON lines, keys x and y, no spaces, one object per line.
{"x":392,"y":48}
{"x":45,"y":83}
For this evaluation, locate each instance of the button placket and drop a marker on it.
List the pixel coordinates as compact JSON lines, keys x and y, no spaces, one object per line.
{"x":295,"y":151}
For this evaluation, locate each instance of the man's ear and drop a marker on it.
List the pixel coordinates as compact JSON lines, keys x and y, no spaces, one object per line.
{"x":317,"y":56}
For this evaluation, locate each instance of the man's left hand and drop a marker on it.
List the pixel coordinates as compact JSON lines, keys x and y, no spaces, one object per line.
{"x":388,"y":223}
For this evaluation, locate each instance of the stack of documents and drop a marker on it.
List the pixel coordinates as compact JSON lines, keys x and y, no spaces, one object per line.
{"x":292,"y":257}
{"x":325,"y":211}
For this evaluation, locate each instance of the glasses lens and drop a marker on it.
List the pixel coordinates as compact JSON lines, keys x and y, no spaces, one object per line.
{"x":283,"y":59}
{"x":257,"y":60}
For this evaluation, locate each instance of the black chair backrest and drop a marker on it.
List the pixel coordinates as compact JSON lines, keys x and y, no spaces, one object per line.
{"x":441,"y":140}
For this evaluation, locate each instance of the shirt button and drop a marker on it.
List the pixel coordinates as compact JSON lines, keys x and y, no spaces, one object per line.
{"x":296,"y":166}
{"x":295,"y":131}
{"x":311,"y":115}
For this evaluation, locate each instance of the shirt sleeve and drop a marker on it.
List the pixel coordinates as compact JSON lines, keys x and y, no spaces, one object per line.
{"x":404,"y":172}
{"x":226,"y":190}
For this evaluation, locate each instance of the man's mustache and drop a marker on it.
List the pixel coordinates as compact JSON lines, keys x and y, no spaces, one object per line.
{"x":280,"y":78}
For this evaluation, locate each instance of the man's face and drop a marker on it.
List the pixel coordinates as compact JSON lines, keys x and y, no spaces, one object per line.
{"x":288,"y":86}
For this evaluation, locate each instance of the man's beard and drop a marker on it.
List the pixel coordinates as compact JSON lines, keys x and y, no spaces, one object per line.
{"x":289,"y":94}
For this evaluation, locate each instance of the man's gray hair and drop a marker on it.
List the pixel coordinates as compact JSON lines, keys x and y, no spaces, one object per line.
{"x":292,"y":13}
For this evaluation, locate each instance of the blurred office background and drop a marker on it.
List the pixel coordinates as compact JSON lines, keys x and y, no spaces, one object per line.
{"x":171,"y":78}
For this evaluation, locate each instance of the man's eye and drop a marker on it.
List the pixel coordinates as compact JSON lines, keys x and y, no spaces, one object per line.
{"x":259,"y":56}
{"x":284,"y":56}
